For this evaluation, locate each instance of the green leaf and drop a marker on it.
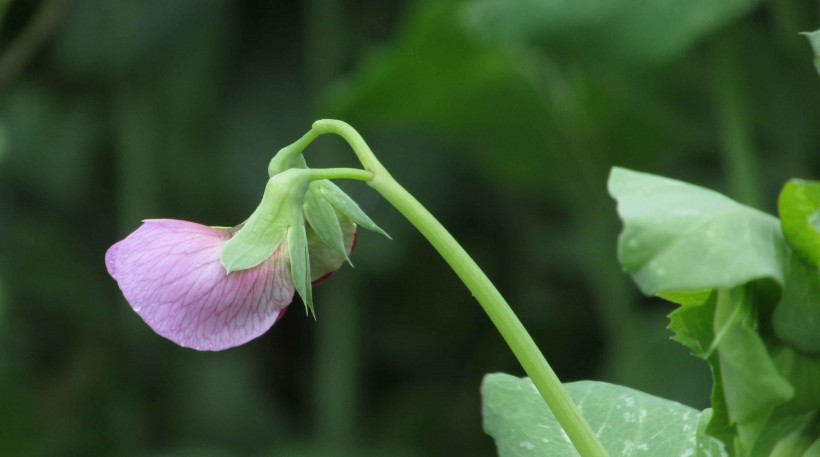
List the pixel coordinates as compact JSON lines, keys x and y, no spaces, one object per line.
{"x":692,"y":324}
{"x":688,"y":298}
{"x":799,"y":207}
{"x":628,"y":422}
{"x":796,"y":318}
{"x":681,"y":241}
{"x":788,"y":436}
{"x":719,"y":426}
{"x":266,"y":229}
{"x":752,"y":385}
{"x":681,"y":237}
{"x":814,"y":40}
{"x":802,"y":371}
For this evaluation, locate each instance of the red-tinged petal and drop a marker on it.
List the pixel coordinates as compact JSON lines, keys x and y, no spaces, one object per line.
{"x":327,"y":275}
{"x":325,"y":261}
{"x":169,"y":272}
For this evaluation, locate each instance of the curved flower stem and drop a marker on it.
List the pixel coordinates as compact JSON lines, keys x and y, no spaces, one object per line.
{"x":494,"y":305}
{"x":317,"y":174}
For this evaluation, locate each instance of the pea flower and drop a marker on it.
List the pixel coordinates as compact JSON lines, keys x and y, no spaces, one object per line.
{"x":210,"y":288}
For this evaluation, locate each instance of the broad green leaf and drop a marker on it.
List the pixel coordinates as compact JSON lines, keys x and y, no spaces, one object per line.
{"x":787,"y":436}
{"x":719,"y":425}
{"x":688,"y":298}
{"x":799,"y":207}
{"x":647,"y":32}
{"x":692,"y":322}
{"x":814,"y":40}
{"x":764,"y":386}
{"x":752,"y":385}
{"x":692,"y":325}
{"x":748,"y":384}
{"x":797,"y":316}
{"x":802,"y":371}
{"x":628,"y":422}
{"x":681,"y":237}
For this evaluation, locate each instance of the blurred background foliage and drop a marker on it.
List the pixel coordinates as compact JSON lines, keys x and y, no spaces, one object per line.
{"x":503,"y":116}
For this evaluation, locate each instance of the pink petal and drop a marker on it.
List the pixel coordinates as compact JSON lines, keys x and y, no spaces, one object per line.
{"x":169,"y":272}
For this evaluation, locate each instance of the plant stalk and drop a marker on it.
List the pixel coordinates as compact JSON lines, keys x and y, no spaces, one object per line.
{"x":499,"y":312}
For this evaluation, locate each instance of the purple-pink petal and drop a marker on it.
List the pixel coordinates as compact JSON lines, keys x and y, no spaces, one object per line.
{"x":169,"y":272}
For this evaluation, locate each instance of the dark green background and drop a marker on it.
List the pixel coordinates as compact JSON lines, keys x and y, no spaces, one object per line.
{"x":503,"y":118}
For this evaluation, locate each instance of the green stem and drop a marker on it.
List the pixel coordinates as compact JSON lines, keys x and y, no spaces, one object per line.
{"x":317,"y":174}
{"x":356,"y":142}
{"x":499,"y":312}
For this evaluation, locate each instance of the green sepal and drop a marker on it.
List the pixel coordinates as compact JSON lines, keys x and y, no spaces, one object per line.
{"x":267,"y":228}
{"x":346,"y":206}
{"x":300,"y":265}
{"x":290,"y":157}
{"x":799,"y":208}
{"x":323,"y":220}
